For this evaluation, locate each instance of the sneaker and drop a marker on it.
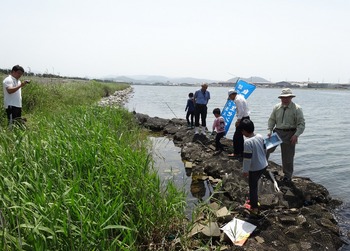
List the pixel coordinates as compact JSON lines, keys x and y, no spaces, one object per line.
{"x":248,"y":206}
{"x":196,"y":130}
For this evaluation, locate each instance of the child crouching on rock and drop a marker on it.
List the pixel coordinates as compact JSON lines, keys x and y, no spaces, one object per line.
{"x":219,"y":127}
{"x":254,"y":161}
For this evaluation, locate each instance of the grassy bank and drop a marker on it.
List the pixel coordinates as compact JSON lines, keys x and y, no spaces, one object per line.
{"x":80,"y":176}
{"x":45,"y":95}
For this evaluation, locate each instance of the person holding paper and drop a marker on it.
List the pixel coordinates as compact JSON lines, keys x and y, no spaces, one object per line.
{"x":254,"y":161}
{"x":242,"y":112}
{"x":287,"y":120}
{"x":12,"y":88}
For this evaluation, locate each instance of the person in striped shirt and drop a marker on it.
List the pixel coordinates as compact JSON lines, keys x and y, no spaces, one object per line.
{"x":254,"y":161}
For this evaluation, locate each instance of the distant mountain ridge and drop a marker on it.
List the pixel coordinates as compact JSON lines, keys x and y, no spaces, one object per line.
{"x":251,"y":80}
{"x":151,"y":79}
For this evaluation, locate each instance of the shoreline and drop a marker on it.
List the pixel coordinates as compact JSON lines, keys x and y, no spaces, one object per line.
{"x":300,"y":216}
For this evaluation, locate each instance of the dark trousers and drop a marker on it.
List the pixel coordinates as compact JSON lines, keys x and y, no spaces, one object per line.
{"x":218,"y":145}
{"x":238,"y":140}
{"x":188,"y":116}
{"x":200,"y":111}
{"x":287,"y":152}
{"x":13,"y":112}
{"x":253,"y":187}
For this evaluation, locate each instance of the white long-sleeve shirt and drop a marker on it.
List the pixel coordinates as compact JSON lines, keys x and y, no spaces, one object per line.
{"x":242,"y":109}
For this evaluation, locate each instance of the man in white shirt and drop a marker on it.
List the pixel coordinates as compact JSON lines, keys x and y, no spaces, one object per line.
{"x":12,"y":93}
{"x":242,"y":112}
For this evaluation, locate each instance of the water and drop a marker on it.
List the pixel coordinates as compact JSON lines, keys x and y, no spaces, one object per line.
{"x":172,"y":168}
{"x":323,"y":150}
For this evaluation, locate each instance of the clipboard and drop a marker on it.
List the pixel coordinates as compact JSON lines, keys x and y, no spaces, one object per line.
{"x":273,"y":141}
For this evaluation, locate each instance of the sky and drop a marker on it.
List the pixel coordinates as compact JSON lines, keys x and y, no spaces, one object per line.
{"x":279,"y":40}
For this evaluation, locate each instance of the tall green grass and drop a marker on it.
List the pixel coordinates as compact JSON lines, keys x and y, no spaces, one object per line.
{"x":45,"y":95}
{"x":81,"y":178}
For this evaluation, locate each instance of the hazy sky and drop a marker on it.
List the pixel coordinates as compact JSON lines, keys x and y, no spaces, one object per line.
{"x":278,"y":40}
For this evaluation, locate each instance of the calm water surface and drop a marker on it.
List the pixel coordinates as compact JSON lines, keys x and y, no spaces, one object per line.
{"x":323,"y":150}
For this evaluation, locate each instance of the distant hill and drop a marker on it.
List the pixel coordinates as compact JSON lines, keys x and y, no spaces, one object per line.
{"x":120,"y":79}
{"x":151,"y":79}
{"x":251,"y":80}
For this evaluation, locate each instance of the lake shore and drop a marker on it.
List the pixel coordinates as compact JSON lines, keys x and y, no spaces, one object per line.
{"x":299,"y":216}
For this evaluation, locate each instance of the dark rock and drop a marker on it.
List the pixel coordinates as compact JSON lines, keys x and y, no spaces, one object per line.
{"x":154,"y":124}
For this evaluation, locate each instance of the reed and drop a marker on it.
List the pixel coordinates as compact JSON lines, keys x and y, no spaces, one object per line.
{"x":81,"y":177}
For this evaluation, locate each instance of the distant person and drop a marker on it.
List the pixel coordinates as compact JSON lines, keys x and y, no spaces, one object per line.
{"x":12,"y":87}
{"x":190,"y":110}
{"x":287,"y":120}
{"x":201,"y":98}
{"x":254,"y":161}
{"x":219,"y":127}
{"x":242,"y":112}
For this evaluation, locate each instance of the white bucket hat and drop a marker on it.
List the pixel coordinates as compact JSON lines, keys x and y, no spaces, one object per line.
{"x":232,"y":91}
{"x":286,"y":93}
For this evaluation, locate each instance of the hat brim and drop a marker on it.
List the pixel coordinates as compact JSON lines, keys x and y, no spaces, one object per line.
{"x":232,"y":93}
{"x":286,"y":96}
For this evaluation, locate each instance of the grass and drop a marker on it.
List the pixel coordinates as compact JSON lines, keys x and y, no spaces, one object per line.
{"x":80,"y":176}
{"x":43,"y":95}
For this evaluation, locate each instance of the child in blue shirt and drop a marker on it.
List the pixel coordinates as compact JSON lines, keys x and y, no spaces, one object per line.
{"x":190,"y":110}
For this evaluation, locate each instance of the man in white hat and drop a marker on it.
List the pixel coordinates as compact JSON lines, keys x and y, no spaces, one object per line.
{"x":287,"y":120}
{"x":242,"y":112}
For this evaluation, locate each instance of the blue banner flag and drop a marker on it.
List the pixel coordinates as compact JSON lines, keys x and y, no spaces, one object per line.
{"x":229,"y":110}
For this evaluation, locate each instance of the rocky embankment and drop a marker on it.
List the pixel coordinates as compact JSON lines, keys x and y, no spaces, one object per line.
{"x":294,"y":216}
{"x":119,"y":98}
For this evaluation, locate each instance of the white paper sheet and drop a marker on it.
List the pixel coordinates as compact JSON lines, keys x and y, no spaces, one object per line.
{"x":238,"y":231}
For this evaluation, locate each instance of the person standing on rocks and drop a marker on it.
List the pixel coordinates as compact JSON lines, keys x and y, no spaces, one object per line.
{"x":201,"y":98}
{"x":12,"y":88}
{"x":242,"y":112}
{"x":254,"y":161}
{"x":219,"y":127}
{"x":190,"y":110}
{"x":287,"y":120}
